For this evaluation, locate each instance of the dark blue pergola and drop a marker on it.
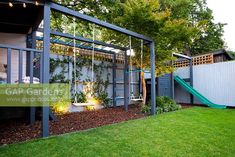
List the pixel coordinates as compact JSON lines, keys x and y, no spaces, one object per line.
{"x":48,"y":7}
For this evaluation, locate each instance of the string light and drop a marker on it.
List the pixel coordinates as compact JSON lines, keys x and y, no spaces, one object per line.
{"x":24,"y":4}
{"x":10,"y":4}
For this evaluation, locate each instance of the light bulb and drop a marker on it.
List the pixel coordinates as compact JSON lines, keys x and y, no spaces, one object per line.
{"x":24,"y":5}
{"x":36,"y":3}
{"x":10,"y":4}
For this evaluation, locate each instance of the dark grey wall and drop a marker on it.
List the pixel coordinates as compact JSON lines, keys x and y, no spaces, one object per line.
{"x":164,"y":85}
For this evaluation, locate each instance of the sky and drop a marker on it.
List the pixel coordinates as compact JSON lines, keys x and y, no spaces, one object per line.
{"x":224,"y":12}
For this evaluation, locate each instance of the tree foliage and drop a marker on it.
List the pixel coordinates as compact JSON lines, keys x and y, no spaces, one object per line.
{"x":209,"y":35}
{"x":175,"y":25}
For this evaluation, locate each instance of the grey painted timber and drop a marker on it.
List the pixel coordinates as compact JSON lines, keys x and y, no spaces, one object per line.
{"x":114,"y":79}
{"x":96,"y":21}
{"x":46,"y":65}
{"x":214,"y":81}
{"x":153,"y":81}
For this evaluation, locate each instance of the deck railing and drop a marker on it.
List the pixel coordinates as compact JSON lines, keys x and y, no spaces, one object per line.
{"x":21,"y":51}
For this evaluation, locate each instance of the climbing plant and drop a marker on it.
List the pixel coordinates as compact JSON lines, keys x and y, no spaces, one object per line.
{"x":55,"y":63}
{"x":100,"y":85}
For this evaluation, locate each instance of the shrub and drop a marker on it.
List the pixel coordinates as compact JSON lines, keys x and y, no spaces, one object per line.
{"x":81,"y":97}
{"x":164,"y":104}
{"x":145,"y":108}
{"x":104,"y":99}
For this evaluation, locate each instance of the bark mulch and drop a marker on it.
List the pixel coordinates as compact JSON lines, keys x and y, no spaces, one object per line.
{"x":185,"y":105}
{"x":13,"y":131}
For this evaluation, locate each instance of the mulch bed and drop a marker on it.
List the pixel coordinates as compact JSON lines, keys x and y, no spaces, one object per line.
{"x":13,"y":131}
{"x":185,"y":105}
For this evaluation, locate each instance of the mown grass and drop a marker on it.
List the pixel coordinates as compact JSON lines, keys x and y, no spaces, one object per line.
{"x":193,"y":132}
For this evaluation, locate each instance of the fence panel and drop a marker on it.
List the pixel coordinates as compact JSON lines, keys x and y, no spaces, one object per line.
{"x":215,"y":81}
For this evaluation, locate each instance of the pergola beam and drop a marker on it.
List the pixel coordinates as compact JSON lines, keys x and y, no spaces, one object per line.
{"x":69,"y":36}
{"x":78,"y":46}
{"x":67,"y":11}
{"x":182,"y":56}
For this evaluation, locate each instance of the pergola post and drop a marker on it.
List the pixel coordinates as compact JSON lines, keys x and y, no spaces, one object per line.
{"x":191,"y":79}
{"x":172,"y":81}
{"x":172,"y":86}
{"x":153,"y":81}
{"x":190,"y":59}
{"x":126,"y":82}
{"x":140,"y":83}
{"x":46,"y":65}
{"x":32,"y":110}
{"x":114,"y":80}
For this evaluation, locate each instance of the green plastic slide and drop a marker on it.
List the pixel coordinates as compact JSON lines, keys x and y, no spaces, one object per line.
{"x":195,"y":93}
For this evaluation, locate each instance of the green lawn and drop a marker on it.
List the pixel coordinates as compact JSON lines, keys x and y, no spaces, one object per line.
{"x":191,"y":132}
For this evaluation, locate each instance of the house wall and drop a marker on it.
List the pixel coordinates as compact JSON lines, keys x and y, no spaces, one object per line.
{"x":18,"y":40}
{"x":214,"y":81}
{"x":219,"y":58}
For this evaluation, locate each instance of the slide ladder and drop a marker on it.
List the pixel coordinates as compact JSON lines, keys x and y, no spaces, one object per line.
{"x":195,"y":93}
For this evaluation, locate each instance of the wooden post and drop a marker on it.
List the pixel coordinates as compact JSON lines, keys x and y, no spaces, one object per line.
{"x":46,"y":65}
